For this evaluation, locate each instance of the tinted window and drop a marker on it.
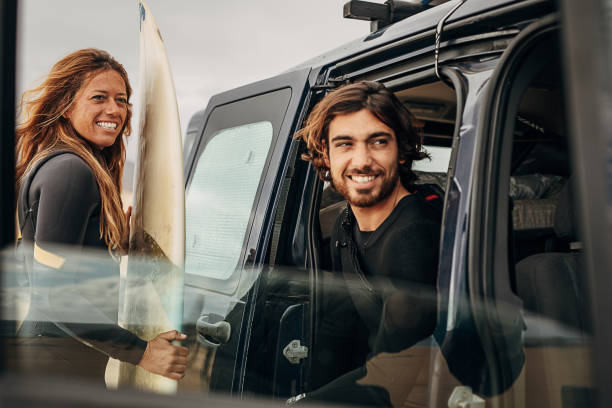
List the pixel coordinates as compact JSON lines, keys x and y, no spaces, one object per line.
{"x":219,"y":201}
{"x":222,"y":189}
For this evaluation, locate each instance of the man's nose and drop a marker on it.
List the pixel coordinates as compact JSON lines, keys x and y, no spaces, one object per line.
{"x":361,"y":156}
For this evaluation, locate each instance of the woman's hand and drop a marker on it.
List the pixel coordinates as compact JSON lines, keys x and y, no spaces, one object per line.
{"x":125,"y":243}
{"x":163,"y":358}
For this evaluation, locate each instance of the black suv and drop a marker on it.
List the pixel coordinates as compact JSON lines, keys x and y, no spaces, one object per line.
{"x":503,"y":92}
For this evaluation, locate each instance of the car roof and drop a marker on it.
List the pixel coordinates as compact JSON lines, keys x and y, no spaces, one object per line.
{"x":423,"y":21}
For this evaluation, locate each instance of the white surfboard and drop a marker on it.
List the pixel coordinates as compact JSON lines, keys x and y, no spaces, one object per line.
{"x":153,"y":297}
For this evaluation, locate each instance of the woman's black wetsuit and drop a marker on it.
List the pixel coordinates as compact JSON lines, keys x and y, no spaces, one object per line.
{"x":71,"y":326}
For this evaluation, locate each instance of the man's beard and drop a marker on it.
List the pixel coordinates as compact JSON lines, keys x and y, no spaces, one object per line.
{"x":367,"y":197}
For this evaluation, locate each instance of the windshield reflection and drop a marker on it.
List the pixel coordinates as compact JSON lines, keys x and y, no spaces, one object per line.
{"x":411,"y":360}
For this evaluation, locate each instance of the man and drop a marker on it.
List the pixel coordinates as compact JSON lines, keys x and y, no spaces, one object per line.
{"x":360,"y":138}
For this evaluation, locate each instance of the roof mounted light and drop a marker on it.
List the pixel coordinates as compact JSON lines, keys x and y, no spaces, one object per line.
{"x":381,"y":15}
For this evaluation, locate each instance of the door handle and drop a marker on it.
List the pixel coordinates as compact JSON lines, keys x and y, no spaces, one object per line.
{"x":213,"y":334}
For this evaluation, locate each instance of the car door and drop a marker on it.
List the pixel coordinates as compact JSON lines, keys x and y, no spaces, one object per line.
{"x":531,"y":289}
{"x":232,"y":176}
{"x":7,"y":106}
{"x":586,"y":43}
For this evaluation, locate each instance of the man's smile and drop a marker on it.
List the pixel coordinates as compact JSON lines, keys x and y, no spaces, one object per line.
{"x":362,"y":179}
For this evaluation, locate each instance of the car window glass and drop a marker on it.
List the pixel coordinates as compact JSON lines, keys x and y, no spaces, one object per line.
{"x":438,"y":163}
{"x":219,"y":201}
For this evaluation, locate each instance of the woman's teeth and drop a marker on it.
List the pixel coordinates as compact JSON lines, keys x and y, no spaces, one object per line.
{"x":107,"y":125}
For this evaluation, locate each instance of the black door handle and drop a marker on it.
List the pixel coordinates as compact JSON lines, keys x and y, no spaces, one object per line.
{"x":213,"y":334}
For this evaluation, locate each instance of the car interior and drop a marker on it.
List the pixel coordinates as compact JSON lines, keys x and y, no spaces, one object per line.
{"x":544,"y":255}
{"x":545,"y":248}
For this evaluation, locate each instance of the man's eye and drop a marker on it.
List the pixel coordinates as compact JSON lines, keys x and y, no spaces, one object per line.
{"x":380,"y":142}
{"x":343,"y":144}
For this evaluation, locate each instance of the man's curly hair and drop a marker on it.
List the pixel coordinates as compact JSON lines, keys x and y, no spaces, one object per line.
{"x":383,"y":104}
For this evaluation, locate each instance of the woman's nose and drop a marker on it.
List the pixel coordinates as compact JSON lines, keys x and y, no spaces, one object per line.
{"x":112,"y":107}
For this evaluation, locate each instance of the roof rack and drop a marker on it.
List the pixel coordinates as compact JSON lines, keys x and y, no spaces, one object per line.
{"x":381,"y":15}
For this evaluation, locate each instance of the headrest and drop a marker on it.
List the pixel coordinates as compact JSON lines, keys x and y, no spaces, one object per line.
{"x":564,"y":215}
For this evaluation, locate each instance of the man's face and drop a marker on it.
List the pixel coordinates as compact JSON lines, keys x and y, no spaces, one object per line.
{"x":363,"y":158}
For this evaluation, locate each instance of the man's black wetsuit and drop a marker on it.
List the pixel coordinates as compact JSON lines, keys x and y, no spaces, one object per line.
{"x":64,"y":201}
{"x":389,"y":301}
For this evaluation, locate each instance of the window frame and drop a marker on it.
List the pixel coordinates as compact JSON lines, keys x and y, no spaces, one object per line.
{"x":258,"y":233}
{"x":585,"y":40}
{"x":407,"y":75}
{"x":489,"y":267}
{"x":404,"y":78}
{"x":230,"y":284}
{"x":259,"y":230}
{"x":8,"y":49}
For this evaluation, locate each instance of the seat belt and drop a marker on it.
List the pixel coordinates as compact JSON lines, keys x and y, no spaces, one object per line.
{"x":368,"y":302}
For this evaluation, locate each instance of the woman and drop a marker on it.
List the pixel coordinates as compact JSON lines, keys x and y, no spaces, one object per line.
{"x":70,"y":157}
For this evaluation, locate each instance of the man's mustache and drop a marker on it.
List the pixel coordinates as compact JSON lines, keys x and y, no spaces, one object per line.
{"x":365,"y":171}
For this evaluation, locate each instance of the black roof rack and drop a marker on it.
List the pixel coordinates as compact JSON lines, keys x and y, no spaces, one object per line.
{"x":381,"y":15}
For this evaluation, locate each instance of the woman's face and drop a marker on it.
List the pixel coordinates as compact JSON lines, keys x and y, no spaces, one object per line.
{"x":100,"y":108}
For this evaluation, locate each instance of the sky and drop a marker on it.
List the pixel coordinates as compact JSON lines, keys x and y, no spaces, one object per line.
{"x":212,"y":46}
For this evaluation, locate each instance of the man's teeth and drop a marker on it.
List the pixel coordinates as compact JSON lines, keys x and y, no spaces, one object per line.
{"x":363,"y":179}
{"x":107,"y":125}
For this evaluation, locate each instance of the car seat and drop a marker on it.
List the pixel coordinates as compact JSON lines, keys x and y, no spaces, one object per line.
{"x":552,"y":286}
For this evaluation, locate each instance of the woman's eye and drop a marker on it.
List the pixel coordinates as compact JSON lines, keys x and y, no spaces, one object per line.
{"x":380,"y":142}
{"x":122,"y":101}
{"x":98,"y":97}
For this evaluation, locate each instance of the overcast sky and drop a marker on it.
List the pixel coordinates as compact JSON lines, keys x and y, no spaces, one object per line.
{"x":212,"y":46}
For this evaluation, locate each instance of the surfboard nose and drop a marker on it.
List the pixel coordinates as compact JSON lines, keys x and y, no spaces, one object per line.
{"x":143,"y":14}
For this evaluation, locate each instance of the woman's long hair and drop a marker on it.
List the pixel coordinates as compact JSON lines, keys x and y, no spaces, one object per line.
{"x":43,"y":128}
